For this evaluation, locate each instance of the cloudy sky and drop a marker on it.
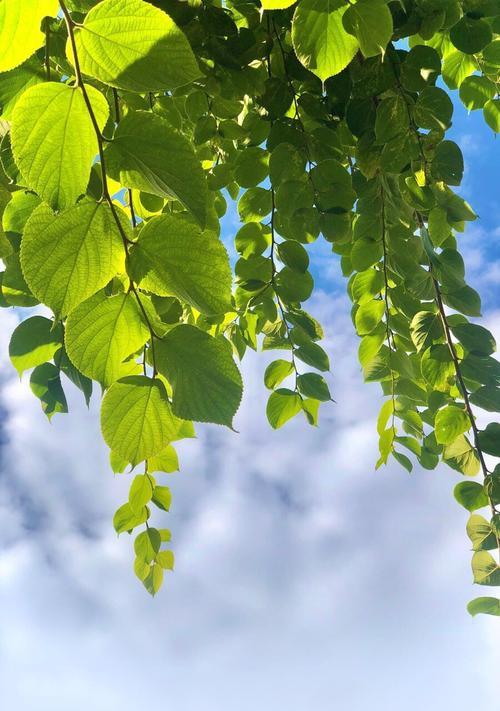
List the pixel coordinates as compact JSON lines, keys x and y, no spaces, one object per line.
{"x":304,"y":579}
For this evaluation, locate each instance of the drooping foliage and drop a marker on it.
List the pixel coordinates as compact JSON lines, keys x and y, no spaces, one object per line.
{"x":127,"y":126}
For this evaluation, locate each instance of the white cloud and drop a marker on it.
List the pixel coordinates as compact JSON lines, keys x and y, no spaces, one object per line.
{"x":303,"y":578}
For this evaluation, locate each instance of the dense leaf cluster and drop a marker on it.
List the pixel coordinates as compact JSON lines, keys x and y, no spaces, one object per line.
{"x":128,"y":125}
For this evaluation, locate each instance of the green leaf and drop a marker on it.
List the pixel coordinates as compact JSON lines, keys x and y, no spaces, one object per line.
{"x":276,"y":372}
{"x":487,"y":398}
{"x":68,"y":257}
{"x":466,"y":300}
{"x":166,"y":461}
{"x":433,"y":109}
{"x":49,"y":115}
{"x":370,"y":21}
{"x":132,"y":45}
{"x":475,"y":91}
{"x":484,"y":606}
{"x":251,"y":167}
{"x":392,"y":116}
{"x":147,"y":544}
{"x":141,"y":491}
{"x":489,"y":439}
{"x":206,"y":383}
{"x":103,"y":331}
{"x":136,"y":419}
{"x":162,"y":497}
{"x":462,"y":456}
{"x":470,"y":35}
{"x":154,"y":580}
{"x":15,"y":82}
{"x":34,"y":342}
{"x":491,"y":111}
{"x":45,"y":383}
{"x":20,"y":33}
{"x":448,"y":163}
{"x":312,"y":354}
{"x":484,"y":569}
{"x":470,"y":495}
{"x":314,"y":386}
{"x":148,"y":155}
{"x":283,"y":404}
{"x":319,"y":38}
{"x":450,"y":423}
{"x":481,"y":534}
{"x":276,"y":4}
{"x":125,"y":519}
{"x":476,"y":339}
{"x":254,"y":204}
{"x":437,"y":367}
{"x":294,"y":255}
{"x":293,"y":286}
{"x":368,"y":316}
{"x":166,"y":560}
{"x":457,"y":66}
{"x":173,"y":257}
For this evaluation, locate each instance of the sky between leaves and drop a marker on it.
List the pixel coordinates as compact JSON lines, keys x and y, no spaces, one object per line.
{"x":303,"y":578}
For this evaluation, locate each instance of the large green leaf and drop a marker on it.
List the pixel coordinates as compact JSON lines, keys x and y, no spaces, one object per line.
{"x":147,"y":154}
{"x":370,"y":21}
{"x":20,"y":33}
{"x":68,"y":257}
{"x":34,"y":342}
{"x":283,"y":404}
{"x":450,"y":423}
{"x":136,"y":419}
{"x":132,"y":45}
{"x":174,"y":257}
{"x":206,"y":383}
{"x":103,"y":331}
{"x":54,"y":142}
{"x":319,"y":38}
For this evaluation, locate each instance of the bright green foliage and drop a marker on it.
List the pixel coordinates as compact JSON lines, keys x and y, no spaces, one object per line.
{"x":49,"y":115}
{"x":132,"y":45}
{"x":136,"y":418}
{"x":68,"y":257}
{"x":124,"y":138}
{"x":147,"y":154}
{"x":20,"y":33}
{"x":205,"y":381}
{"x":174,"y":258}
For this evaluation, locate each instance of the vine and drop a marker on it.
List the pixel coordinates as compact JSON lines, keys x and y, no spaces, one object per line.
{"x":128,"y":127}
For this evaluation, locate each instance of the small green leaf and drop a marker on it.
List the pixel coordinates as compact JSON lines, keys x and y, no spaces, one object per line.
{"x":370,"y":21}
{"x":45,"y":383}
{"x":470,"y":495}
{"x":489,"y":439}
{"x":166,"y":461}
{"x":487,"y":397}
{"x":276,"y":372}
{"x":162,"y":497}
{"x":491,"y":112}
{"x":54,"y":114}
{"x":206,"y":383}
{"x":125,"y":518}
{"x":485,"y":569}
{"x":283,"y":404}
{"x":470,"y":35}
{"x":448,"y":163}
{"x":475,"y":91}
{"x":293,"y":255}
{"x":314,"y":386}
{"x":136,"y":419}
{"x":141,"y":491}
{"x":484,"y":606}
{"x":437,"y":367}
{"x":319,"y":38}
{"x":147,"y":544}
{"x":368,"y":316}
{"x":166,"y":560}
{"x":433,"y":109}
{"x":481,"y":533}
{"x":34,"y":342}
{"x":154,"y":580}
{"x":476,"y":339}
{"x":450,"y":423}
{"x":462,"y":456}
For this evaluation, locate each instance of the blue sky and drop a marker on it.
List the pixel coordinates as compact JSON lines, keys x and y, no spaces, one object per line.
{"x":304,"y":579}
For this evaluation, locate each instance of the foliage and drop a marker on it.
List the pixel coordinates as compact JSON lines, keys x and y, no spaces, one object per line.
{"x":128,"y":125}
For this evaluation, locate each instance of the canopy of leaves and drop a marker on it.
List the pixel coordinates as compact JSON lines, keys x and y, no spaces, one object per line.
{"x":126,"y":128}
